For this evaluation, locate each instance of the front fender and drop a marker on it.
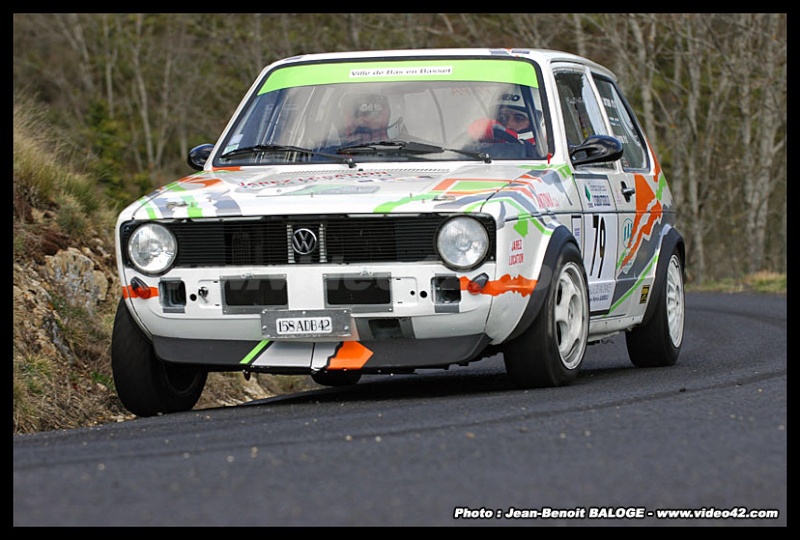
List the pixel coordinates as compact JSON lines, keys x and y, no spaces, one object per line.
{"x":559,"y":238}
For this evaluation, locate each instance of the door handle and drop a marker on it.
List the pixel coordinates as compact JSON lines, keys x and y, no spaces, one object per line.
{"x":627,"y":192}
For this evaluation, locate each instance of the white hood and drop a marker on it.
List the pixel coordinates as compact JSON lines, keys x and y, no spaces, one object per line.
{"x":364,"y":190}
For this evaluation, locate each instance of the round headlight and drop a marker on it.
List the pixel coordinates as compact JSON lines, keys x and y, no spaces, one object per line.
{"x":462,"y":243}
{"x":152,"y":248}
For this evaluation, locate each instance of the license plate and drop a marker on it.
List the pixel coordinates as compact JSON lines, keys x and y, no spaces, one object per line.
{"x":303,"y":325}
{"x":306,"y":324}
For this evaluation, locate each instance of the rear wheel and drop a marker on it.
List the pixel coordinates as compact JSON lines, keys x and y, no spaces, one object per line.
{"x":658,"y":342}
{"x":336,"y":378}
{"x":146,"y":385}
{"x":550,"y":352}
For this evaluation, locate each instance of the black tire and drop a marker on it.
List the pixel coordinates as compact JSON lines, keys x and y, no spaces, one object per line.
{"x":658,"y":342}
{"x":336,"y":378}
{"x":550,"y":352}
{"x":146,"y":386}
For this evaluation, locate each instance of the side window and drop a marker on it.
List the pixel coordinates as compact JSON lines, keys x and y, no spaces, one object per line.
{"x":623,"y":125}
{"x":582,"y":116}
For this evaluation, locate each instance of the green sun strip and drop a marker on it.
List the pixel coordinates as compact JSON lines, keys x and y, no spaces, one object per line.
{"x":639,"y":281}
{"x":255,"y":352}
{"x":389,"y":70}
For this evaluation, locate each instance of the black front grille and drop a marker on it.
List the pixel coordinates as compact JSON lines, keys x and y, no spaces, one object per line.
{"x":339,"y":239}
{"x":226,"y":243}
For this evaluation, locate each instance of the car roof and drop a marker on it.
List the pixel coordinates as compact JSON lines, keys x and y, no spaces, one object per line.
{"x":541,"y":56}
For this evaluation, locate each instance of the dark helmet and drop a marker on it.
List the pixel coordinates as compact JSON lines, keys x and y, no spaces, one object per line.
{"x":513,"y":102}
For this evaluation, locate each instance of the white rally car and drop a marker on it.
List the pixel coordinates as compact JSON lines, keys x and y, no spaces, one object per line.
{"x":387,"y":211}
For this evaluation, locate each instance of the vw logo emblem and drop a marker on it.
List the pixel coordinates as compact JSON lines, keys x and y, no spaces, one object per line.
{"x":304,"y":241}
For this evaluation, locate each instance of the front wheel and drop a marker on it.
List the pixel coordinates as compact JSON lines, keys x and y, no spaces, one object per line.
{"x":550,"y":352}
{"x":658,"y":342}
{"x":145,"y":385}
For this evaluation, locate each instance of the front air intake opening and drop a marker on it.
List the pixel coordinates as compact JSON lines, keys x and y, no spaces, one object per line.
{"x":446,"y":292}
{"x":385,"y":328}
{"x":357,"y":290}
{"x":173,"y":295}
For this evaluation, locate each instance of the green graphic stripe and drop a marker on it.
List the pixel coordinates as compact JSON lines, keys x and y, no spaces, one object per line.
{"x":174,"y":186}
{"x":523,"y":217}
{"x":662,"y":184}
{"x":522,"y":225}
{"x":475,"y":186}
{"x":562,"y":169}
{"x":494,"y":70}
{"x":193,"y":210}
{"x":255,"y":352}
{"x":149,"y":208}
{"x":622,"y":298}
{"x":388,"y":207}
{"x":507,"y":200}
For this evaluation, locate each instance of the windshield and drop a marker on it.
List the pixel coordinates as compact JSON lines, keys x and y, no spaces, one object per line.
{"x":310,"y":113}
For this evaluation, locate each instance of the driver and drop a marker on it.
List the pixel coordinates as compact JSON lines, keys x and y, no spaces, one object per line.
{"x":366,"y":119}
{"x":512,"y":123}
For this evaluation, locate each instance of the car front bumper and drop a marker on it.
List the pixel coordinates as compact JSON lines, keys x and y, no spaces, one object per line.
{"x":429,"y":316}
{"x":302,"y":357}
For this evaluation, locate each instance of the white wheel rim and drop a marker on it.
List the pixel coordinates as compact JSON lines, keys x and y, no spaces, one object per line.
{"x":675,"y":302}
{"x":571,"y":316}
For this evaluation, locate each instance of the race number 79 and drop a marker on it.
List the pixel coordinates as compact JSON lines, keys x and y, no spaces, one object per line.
{"x":599,"y":226}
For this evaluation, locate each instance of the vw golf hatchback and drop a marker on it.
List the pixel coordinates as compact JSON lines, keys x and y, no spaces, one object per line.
{"x":389,"y":211}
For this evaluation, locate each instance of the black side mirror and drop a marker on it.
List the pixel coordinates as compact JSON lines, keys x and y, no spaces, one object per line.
{"x":596,"y":149}
{"x":199,"y":155}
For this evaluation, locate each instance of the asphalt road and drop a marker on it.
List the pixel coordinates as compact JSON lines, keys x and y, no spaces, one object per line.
{"x":455,"y":448}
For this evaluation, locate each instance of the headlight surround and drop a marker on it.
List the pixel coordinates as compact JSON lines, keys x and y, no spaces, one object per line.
{"x":152,"y":248}
{"x":462,"y":243}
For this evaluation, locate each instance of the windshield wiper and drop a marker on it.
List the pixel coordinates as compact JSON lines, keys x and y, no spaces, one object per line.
{"x":410,"y":147}
{"x":396,"y":145}
{"x":259,"y":148}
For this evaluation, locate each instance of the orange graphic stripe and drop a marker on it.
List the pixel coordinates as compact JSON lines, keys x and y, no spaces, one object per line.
{"x":201,"y":182}
{"x":529,"y":177}
{"x":646,"y":203}
{"x":519,"y":284}
{"x":130,"y":292}
{"x":350,"y":355}
{"x":446,"y":185}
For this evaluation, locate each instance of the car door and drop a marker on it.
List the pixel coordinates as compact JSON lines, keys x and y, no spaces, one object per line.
{"x":597,"y":228}
{"x":634,"y":187}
